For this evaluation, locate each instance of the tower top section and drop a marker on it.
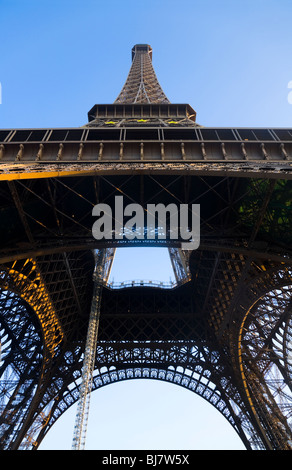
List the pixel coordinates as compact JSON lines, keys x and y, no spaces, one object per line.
{"x":138,"y":48}
{"x":142,"y":85}
{"x":141,"y":101}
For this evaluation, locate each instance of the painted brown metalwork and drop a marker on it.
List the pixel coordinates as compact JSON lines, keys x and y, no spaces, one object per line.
{"x":142,"y":85}
{"x":222,"y":331}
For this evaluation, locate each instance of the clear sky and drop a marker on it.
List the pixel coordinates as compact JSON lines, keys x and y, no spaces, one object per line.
{"x":229,"y":59}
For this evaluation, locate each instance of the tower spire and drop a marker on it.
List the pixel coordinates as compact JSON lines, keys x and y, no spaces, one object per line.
{"x":142,"y":85}
{"x":141,"y":102}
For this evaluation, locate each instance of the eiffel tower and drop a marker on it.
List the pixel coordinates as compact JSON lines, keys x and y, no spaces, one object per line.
{"x":223,"y":330}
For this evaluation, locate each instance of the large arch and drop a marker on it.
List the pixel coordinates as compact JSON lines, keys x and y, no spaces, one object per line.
{"x":30,"y":334}
{"x":21,"y":361}
{"x":192,"y":364}
{"x":144,"y":413}
{"x":263,"y":323}
{"x":190,"y":369}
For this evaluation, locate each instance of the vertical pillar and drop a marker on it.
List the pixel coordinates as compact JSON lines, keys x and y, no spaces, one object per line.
{"x":80,"y":428}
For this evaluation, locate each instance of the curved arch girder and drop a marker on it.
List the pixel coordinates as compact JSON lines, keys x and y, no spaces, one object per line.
{"x":263,"y":323}
{"x":197,"y":379}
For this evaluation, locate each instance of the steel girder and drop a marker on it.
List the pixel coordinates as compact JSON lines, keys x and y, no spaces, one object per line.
{"x":142,"y":85}
{"x":225,"y":334}
{"x":220,"y":276}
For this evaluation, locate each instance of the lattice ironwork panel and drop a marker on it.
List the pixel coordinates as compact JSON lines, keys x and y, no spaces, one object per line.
{"x":223,"y":333}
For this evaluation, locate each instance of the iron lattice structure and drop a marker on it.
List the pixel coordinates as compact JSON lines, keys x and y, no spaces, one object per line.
{"x":223,"y":331}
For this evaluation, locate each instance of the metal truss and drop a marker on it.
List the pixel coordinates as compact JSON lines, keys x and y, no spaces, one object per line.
{"x":80,"y":429}
{"x":185,"y":364}
{"x":264,"y":353}
{"x":130,"y":317}
{"x":194,"y":364}
{"x":142,"y":85}
{"x":21,"y":363}
{"x":180,"y":264}
{"x":223,"y":331}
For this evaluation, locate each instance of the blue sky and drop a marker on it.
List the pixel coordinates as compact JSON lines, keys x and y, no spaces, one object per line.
{"x":229,"y":59}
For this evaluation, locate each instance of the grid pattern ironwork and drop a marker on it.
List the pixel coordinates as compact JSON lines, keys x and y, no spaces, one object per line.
{"x":223,"y":331}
